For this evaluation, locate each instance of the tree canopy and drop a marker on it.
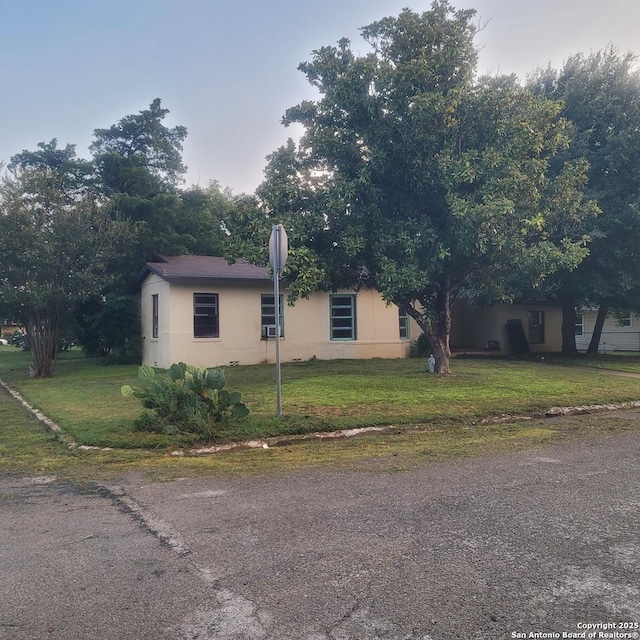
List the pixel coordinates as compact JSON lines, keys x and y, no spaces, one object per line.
{"x":601,"y":96}
{"x":140,"y":154}
{"x":420,"y":180}
{"x":56,"y":242}
{"x":414,"y":177}
{"x":75,"y":232}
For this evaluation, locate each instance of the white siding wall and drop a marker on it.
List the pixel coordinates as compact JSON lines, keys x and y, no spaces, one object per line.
{"x":614,"y":337}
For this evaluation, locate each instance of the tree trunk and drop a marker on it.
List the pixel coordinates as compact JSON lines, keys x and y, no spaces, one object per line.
{"x":442,"y":330}
{"x":435,"y":322}
{"x":569,"y":326}
{"x":43,"y":333}
{"x":594,"y":344}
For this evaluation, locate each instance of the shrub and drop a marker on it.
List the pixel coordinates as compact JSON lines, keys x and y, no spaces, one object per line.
{"x":110,"y":328}
{"x":186,"y":399}
{"x":421,"y":347}
{"x":20,"y":340}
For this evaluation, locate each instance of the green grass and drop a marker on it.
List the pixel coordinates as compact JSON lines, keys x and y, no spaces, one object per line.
{"x":84,"y":396}
{"x":27,"y":448}
{"x":616,"y":361}
{"x":24,"y":444}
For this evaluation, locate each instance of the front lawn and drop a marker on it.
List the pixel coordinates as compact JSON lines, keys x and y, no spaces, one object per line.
{"x":628,"y":361}
{"x":84,"y":396}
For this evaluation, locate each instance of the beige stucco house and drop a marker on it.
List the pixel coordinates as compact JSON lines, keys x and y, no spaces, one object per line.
{"x":203,"y":311}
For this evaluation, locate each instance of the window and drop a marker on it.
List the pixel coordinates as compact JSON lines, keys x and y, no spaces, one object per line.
{"x":154,"y":315}
{"x":536,"y":327}
{"x":343,"y":317}
{"x":205,"y":315}
{"x":624,"y":321}
{"x":268,"y":316}
{"x":403,"y":320}
{"x":579,"y":324}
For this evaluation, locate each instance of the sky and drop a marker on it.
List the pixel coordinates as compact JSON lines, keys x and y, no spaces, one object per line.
{"x":227,"y":69}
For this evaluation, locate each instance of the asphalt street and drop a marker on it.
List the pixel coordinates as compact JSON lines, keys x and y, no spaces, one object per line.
{"x":530,"y":544}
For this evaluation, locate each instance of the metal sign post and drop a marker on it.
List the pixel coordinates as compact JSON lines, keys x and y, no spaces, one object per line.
{"x":278,"y":248}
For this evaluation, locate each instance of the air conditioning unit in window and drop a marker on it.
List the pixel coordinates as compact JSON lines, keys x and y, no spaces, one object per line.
{"x":269,"y":331}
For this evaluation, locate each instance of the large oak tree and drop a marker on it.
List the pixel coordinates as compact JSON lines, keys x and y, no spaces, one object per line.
{"x":418,"y":179}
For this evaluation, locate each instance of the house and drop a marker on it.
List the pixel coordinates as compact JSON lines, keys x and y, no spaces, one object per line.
{"x":204,"y":311}
{"x":489,"y":328}
{"x":618,"y":334}
{"x":505,"y":329}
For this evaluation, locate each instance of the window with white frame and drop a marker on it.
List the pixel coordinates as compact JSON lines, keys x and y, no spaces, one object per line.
{"x":579,"y":330}
{"x":624,"y":321}
{"x":268,"y":315}
{"x":205,"y":315}
{"x":343,"y":317}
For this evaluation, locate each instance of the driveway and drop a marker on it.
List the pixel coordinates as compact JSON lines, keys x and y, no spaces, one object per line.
{"x":541,"y":542}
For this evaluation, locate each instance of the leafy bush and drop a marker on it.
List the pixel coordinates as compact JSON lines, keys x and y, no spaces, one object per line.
{"x":110,"y":327}
{"x":20,"y":340}
{"x":421,"y":347}
{"x":185,"y":399}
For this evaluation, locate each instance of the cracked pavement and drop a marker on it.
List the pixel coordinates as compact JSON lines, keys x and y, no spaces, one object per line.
{"x":478,"y":548}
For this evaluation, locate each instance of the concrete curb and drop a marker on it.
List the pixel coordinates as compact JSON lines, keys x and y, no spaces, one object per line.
{"x":50,"y":424}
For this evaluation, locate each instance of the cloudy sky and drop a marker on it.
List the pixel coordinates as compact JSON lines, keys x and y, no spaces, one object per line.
{"x":227,"y":69}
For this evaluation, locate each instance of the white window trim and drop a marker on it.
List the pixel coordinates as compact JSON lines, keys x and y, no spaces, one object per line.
{"x":580,"y":324}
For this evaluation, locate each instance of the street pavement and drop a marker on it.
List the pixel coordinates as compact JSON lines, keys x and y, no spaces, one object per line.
{"x":533,"y":544}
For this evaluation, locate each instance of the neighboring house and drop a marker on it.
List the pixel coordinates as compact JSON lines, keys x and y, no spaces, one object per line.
{"x":506,"y":328}
{"x":488,"y":328}
{"x":203,"y":311}
{"x":617,"y":334}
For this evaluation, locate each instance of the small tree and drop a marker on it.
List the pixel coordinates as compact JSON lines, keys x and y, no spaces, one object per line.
{"x":55,"y":246}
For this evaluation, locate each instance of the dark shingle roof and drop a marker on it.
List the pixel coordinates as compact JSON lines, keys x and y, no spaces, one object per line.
{"x":173,"y":268}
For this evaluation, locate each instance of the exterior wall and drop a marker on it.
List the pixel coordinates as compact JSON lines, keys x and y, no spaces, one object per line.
{"x":473,"y":328}
{"x":306,"y":327}
{"x":614,"y":337}
{"x":239,"y":322}
{"x":155,"y":350}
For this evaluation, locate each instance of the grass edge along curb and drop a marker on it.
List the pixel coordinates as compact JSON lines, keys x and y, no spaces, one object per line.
{"x":48,"y":423}
{"x":266,"y":443}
